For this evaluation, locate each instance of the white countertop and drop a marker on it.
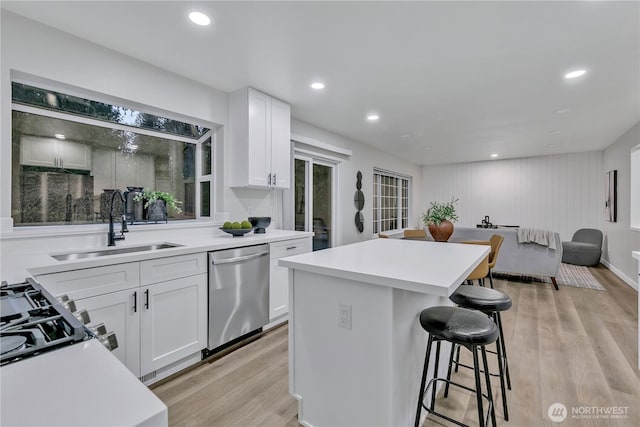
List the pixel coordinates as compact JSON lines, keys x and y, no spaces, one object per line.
{"x":83,"y":384}
{"x":78,"y":385}
{"x":420,"y":266}
{"x":18,"y":266}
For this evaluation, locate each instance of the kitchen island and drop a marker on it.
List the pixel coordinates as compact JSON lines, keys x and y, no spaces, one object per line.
{"x":356,"y":348}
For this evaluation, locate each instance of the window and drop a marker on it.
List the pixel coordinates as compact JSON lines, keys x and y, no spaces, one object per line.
{"x":70,"y":153}
{"x":390,"y":201}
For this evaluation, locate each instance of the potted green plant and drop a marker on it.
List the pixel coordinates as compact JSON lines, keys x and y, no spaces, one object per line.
{"x":157,"y":203}
{"x":439,"y":219}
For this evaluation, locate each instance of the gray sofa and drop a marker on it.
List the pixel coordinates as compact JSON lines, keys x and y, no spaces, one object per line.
{"x":527,"y":259}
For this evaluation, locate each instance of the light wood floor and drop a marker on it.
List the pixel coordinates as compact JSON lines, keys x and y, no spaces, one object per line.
{"x":575,"y":346}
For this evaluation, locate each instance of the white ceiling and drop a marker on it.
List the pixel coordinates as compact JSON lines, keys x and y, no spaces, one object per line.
{"x":451,"y":81}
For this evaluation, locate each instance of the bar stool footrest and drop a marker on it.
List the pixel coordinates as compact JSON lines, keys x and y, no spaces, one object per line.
{"x":451,"y":420}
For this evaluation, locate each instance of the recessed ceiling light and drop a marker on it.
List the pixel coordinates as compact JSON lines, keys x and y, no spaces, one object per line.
{"x":575,"y":73}
{"x":494,"y":155}
{"x":551,"y":145}
{"x":317,"y":86}
{"x":199,"y":18}
{"x":562,"y":111}
{"x":554,"y":131}
{"x":373,"y":117}
{"x":59,"y":136}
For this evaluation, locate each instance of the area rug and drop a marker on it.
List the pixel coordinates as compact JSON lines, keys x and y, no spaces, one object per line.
{"x":568,"y":275}
{"x":576,"y":275}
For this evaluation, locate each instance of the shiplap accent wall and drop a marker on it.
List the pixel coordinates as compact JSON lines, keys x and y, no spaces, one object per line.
{"x":561,"y":192}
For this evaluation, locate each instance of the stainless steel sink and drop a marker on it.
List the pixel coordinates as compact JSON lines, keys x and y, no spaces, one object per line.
{"x":114,"y":251}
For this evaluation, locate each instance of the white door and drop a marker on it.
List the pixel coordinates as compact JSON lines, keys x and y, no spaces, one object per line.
{"x":259,"y":152}
{"x":314,"y":199}
{"x":279,"y":276}
{"x":280,"y":144}
{"x":119,"y":311}
{"x":38,"y":151}
{"x":173,"y":321}
{"x":74,"y":156}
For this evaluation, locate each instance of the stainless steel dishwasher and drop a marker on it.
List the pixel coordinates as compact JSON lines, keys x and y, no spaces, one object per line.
{"x":238,"y":293}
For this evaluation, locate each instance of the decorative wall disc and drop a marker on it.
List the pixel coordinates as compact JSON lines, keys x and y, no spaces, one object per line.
{"x":359,"y":203}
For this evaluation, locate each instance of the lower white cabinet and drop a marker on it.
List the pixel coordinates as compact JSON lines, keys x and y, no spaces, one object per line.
{"x":119,"y":311}
{"x":173,"y":321}
{"x":156,"y":324}
{"x":279,"y":276}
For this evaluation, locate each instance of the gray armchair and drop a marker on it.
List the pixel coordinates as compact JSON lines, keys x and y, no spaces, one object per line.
{"x":585,"y":248}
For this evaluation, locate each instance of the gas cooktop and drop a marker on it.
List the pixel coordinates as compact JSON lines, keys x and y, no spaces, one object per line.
{"x":32,"y":322}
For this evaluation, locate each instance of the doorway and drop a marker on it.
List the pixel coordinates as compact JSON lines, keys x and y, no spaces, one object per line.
{"x":314,"y":199}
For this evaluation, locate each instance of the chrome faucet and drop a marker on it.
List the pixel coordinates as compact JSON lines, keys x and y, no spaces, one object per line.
{"x":111,"y":236}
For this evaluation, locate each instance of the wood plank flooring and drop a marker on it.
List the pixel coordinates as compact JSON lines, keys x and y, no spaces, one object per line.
{"x":575,"y":346}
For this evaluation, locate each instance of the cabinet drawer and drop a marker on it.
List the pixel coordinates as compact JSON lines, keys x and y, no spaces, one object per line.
{"x":89,"y":282}
{"x":175,"y":267}
{"x":289,"y":247}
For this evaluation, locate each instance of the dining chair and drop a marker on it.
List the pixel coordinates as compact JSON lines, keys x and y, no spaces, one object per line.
{"x":496,"y":241}
{"x":482,"y":270}
{"x":412,"y":233}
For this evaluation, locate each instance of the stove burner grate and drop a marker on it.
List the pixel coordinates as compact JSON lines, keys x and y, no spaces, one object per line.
{"x":31,"y":316}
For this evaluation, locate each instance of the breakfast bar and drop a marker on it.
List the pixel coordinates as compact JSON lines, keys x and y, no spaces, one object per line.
{"x":356,"y":349}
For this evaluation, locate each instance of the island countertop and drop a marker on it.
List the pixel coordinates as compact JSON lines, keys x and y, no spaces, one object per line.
{"x":356,"y":347}
{"x":426,"y":267}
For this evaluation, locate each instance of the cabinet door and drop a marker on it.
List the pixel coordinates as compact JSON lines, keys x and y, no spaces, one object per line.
{"x":173,"y":321}
{"x":281,"y":143}
{"x":38,"y":151}
{"x":279,"y":276}
{"x":119,"y":313}
{"x":259,"y":153}
{"x":164,"y":269}
{"x":74,"y":156}
{"x":89,"y":282}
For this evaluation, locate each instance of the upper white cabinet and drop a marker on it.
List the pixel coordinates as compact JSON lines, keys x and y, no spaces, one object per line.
{"x":260,"y":132}
{"x":50,"y":152}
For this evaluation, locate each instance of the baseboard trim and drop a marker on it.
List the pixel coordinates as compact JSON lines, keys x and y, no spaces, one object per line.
{"x":628,"y":280}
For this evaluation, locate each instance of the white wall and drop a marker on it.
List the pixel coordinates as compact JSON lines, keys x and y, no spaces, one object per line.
{"x":364,"y":159}
{"x":562,"y":192}
{"x":620,"y":240}
{"x":32,"y":49}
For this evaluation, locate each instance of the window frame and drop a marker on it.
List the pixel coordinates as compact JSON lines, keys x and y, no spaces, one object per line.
{"x":377,"y":223}
{"x":311,"y":158}
{"x":88,"y":94}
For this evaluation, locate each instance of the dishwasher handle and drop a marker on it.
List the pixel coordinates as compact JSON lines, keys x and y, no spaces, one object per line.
{"x":239,"y":259}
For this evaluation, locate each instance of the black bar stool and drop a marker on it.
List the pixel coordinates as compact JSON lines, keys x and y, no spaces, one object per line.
{"x":469,"y":328}
{"x":491,"y":302}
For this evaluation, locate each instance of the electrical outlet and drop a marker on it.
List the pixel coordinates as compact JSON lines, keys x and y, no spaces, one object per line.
{"x":344,"y":316}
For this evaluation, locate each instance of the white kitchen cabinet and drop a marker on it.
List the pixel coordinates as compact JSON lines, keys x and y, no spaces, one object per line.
{"x":279,"y":276}
{"x":51,"y":152}
{"x":119,"y":311}
{"x":157,"y":308}
{"x":113,"y":169}
{"x":173,"y":323}
{"x":89,"y":282}
{"x":260,"y":140}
